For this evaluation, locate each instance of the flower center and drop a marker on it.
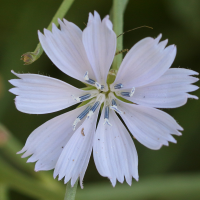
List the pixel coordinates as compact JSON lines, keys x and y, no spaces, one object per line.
{"x":106,"y":97}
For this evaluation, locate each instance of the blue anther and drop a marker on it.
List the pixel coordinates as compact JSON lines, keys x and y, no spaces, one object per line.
{"x":95,"y":106}
{"x":102,"y":87}
{"x":84,"y":97}
{"x":126,"y":94}
{"x":106,"y":113}
{"x":90,"y":81}
{"x":114,"y":102}
{"x":84,"y":113}
{"x":118,"y":86}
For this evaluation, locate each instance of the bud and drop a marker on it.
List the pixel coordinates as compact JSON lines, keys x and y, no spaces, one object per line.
{"x":28,"y":58}
{"x":31,"y":57}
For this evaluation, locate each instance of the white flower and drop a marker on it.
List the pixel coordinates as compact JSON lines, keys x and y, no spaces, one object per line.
{"x":65,"y":142}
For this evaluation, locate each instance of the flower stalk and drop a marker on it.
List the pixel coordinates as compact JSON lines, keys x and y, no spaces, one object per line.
{"x":118,"y":9}
{"x":31,"y":57}
{"x":70,"y":191}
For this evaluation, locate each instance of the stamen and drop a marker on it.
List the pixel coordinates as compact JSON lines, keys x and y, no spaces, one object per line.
{"x":92,"y":82}
{"x":118,"y":86}
{"x":132,"y":92}
{"x":106,"y":116}
{"x":114,"y":102}
{"x":98,"y":86}
{"x":84,"y":113}
{"x":81,"y":116}
{"x":86,"y":76}
{"x":89,"y":80}
{"x":128,"y":94}
{"x":92,"y":110}
{"x":82,"y":98}
{"x":114,"y":107}
{"x":125,"y":94}
{"x":77,"y":120}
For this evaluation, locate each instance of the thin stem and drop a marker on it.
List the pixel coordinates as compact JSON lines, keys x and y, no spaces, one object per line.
{"x":70,"y":191}
{"x":9,"y":148}
{"x":118,"y":23}
{"x":173,"y":187}
{"x":3,"y":192}
{"x":27,"y":185}
{"x":31,"y":57}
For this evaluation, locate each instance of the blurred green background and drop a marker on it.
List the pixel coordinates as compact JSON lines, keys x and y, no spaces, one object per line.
{"x":170,"y":173}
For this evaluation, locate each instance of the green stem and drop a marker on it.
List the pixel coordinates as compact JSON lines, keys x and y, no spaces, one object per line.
{"x":27,"y":185}
{"x":31,"y":57}
{"x":9,"y":149}
{"x":118,"y":23}
{"x":173,"y":187}
{"x":70,"y":191}
{"x":3,"y":192}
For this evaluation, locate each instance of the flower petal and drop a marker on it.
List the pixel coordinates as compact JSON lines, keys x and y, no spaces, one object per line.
{"x":169,"y":91}
{"x":46,"y":143}
{"x":145,"y":62}
{"x":74,"y":159}
{"x":65,"y":49}
{"x":39,"y":94}
{"x":100,"y":44}
{"x":151,"y":127}
{"x":114,"y":152}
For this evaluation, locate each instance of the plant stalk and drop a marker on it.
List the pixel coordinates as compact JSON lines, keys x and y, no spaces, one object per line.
{"x":117,"y":11}
{"x":31,"y":57}
{"x":71,"y":191}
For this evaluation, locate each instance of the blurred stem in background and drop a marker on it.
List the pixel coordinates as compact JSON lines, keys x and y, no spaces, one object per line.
{"x":9,"y":146}
{"x":27,"y":185}
{"x":31,"y":57}
{"x":3,"y":192}
{"x":173,"y":187}
{"x":117,"y":13}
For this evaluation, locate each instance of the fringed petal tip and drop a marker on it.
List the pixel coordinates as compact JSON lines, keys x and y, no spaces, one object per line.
{"x":192,"y":96}
{"x":113,"y":181}
{"x":63,"y":20}
{"x":96,"y":15}
{"x":12,"y":71}
{"x":20,"y":152}
{"x":157,"y":39}
{"x":108,"y":23}
{"x":36,"y":170}
{"x":54,"y":175}
{"x":15,"y":73}
{"x":11,"y":90}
